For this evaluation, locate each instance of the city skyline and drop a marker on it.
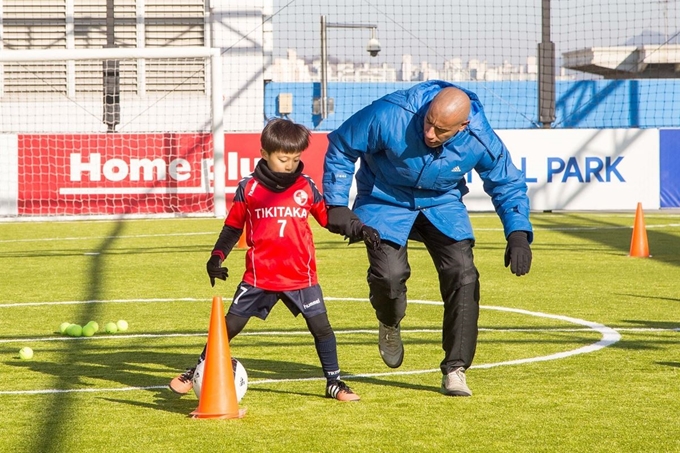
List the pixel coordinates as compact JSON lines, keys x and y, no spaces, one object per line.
{"x":298,"y":69}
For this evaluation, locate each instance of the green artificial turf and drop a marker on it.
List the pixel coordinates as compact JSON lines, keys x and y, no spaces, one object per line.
{"x":532,"y":391}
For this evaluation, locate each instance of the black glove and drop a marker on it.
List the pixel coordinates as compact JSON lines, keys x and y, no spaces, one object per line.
{"x":215,"y":269}
{"x":340,"y":220}
{"x":371,"y":237}
{"x":518,"y":253}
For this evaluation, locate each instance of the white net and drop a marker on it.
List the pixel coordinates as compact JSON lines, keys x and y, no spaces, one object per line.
{"x":107,"y":132}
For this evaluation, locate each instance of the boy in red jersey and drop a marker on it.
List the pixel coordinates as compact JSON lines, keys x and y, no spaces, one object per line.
{"x":273,"y":204}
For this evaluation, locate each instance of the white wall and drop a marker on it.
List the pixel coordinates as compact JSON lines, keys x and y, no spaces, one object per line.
{"x":9,"y":175}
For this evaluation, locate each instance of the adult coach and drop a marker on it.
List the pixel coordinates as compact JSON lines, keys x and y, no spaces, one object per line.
{"x":415,"y":147}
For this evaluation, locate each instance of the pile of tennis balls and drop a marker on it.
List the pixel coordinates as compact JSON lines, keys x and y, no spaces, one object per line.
{"x":92,"y":327}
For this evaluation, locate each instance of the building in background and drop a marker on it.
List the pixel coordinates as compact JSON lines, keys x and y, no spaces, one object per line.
{"x":66,"y":95}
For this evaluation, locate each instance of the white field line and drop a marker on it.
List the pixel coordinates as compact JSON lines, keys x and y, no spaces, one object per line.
{"x":203,"y":233}
{"x":102,"y":301}
{"x":609,"y":336}
{"x":274,"y":333}
{"x":91,"y":238}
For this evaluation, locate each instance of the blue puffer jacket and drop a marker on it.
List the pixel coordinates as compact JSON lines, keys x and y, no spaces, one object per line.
{"x":400,"y":176}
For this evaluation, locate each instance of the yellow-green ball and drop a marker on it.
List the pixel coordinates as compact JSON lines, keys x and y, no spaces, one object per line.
{"x":88,"y":330}
{"x":63,"y":326}
{"x":111,"y":327}
{"x":25,"y":353}
{"x":94,"y":325}
{"x":122,"y":325}
{"x":74,"y":330}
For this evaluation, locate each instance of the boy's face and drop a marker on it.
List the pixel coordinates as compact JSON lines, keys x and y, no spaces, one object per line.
{"x":281,"y":162}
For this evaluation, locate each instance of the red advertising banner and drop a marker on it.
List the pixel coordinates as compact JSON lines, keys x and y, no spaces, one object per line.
{"x":112,"y":174}
{"x":243,"y":150}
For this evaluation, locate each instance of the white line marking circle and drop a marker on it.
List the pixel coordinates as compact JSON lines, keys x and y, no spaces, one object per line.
{"x":609,"y":337}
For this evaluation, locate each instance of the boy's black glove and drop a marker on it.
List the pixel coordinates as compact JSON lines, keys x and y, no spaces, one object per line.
{"x":518,"y":253}
{"x":215,"y":269}
{"x":342,"y":220}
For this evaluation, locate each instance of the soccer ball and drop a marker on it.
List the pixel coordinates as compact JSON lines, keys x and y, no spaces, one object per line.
{"x":240,"y":378}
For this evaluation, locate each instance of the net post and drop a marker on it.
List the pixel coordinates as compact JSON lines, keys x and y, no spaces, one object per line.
{"x":546,"y":70}
{"x":219,"y":166}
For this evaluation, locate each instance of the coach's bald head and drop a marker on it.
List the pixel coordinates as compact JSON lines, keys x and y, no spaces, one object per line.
{"x":447,"y":115}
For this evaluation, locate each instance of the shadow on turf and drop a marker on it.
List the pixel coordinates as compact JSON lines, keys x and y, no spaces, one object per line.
{"x":671,"y":364}
{"x":140,"y":364}
{"x":51,"y":418}
{"x":648,"y":296}
{"x":130,"y":368}
{"x":168,"y":401}
{"x":645,"y":323}
{"x":664,"y":247}
{"x":164,"y":400}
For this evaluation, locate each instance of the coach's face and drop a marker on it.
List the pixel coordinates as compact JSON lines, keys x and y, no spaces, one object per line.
{"x":447,"y":115}
{"x":439,"y":128}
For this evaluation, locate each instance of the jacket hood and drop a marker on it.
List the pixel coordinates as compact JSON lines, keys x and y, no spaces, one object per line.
{"x":420,"y":95}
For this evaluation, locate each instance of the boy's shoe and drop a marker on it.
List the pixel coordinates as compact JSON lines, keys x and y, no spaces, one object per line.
{"x":390,"y":345}
{"x":453,"y":384}
{"x":183,"y":383}
{"x":340,"y":391}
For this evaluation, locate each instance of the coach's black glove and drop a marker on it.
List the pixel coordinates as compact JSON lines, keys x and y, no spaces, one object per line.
{"x":518,"y":253}
{"x":215,"y":269}
{"x":370,"y":236}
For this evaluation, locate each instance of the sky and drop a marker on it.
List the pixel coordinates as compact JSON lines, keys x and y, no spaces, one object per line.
{"x":491,"y":30}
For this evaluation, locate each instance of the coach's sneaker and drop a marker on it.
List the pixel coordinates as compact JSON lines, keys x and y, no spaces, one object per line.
{"x":390,"y":345}
{"x":454,"y":384}
{"x":183,"y":383}
{"x":340,"y":391}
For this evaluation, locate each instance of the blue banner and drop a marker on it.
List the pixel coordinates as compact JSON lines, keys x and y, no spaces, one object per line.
{"x":669,"y":167}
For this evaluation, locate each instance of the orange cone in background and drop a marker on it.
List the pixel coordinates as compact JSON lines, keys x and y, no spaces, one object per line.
{"x":638,"y":243}
{"x":218,"y":391}
{"x":242,"y":244}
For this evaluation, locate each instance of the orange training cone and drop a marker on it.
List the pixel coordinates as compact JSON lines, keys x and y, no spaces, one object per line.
{"x":638,"y":243}
{"x":242,"y":244}
{"x":218,"y":391}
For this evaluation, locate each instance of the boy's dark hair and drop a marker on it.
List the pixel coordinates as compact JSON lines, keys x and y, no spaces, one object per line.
{"x":284,"y":135}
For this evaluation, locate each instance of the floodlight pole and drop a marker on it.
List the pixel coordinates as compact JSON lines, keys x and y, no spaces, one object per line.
{"x":324,"y":58}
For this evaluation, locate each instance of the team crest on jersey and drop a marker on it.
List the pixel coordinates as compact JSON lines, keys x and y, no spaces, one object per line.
{"x":300,"y":197}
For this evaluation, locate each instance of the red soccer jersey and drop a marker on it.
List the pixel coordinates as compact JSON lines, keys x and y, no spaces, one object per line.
{"x":281,"y":254}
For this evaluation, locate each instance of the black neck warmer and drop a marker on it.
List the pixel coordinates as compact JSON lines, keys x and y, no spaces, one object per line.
{"x":274,"y":180}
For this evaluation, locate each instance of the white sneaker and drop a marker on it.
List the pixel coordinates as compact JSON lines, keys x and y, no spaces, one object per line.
{"x":453,"y":384}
